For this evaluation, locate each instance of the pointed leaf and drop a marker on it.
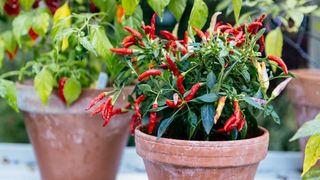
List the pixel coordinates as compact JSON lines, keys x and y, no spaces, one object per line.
{"x":8,"y":92}
{"x":177,"y":8}
{"x":72,"y":90}
{"x":158,"y":6}
{"x":274,"y":43}
{"x":211,"y":80}
{"x":199,"y":14}
{"x":309,"y":128}
{"x":312,"y":153}
{"x":43,"y":83}
{"x":101,"y":42}
{"x":164,"y":125}
{"x":207,"y":115}
{"x":26,"y":4}
{"x":129,"y":6}
{"x":236,"y":9}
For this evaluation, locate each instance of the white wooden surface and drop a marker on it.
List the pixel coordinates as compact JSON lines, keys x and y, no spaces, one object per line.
{"x":17,"y":162}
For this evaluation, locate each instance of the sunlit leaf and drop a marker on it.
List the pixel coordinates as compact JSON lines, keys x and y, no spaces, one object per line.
{"x":312,"y":153}
{"x":43,"y":83}
{"x":199,"y":14}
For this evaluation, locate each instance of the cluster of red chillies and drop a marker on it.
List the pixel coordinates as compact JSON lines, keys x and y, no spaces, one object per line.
{"x":106,"y":109}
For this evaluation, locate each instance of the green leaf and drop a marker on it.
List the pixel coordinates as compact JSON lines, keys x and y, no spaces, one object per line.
{"x":236,"y":9}
{"x":199,"y":14}
{"x":9,"y":41}
{"x":88,"y":45}
{"x":207,"y":114}
{"x":164,"y":125}
{"x":158,"y":6}
{"x":274,"y":42}
{"x":309,"y":128}
{"x":41,"y":23}
{"x":43,"y":83}
{"x":129,"y":6}
{"x":312,"y":153}
{"x":2,"y":51}
{"x":251,"y":102}
{"x":8,"y":92}
{"x":101,"y":42}
{"x":208,"y":98}
{"x":26,"y":4}
{"x":211,"y":80}
{"x":312,"y":174}
{"x":107,"y":6}
{"x":193,"y":120}
{"x":145,"y":88}
{"x":64,"y":33}
{"x":21,"y":25}
{"x":177,"y":8}
{"x":243,"y":132}
{"x":72,"y":90}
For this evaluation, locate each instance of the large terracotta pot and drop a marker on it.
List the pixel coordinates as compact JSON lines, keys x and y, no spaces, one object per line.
{"x":68,"y":142}
{"x":304,"y":93}
{"x":188,"y":160}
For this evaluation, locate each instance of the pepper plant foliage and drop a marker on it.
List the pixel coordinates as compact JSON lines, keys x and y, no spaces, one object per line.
{"x":204,"y":88}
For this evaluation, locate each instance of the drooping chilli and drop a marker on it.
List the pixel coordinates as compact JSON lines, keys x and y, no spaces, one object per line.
{"x":33,"y":35}
{"x":153,"y":26}
{"x":168,"y":35}
{"x":219,"y":108}
{"x":148,"y":73}
{"x":133,"y":32}
{"x":96,"y":100}
{"x":185,"y":39}
{"x":128,"y":39}
{"x":108,"y":115}
{"x":261,"y":18}
{"x":236,"y":111}
{"x":98,"y":110}
{"x":153,"y":118}
{"x":199,"y":33}
{"x":136,"y":106}
{"x":254,"y":27}
{"x":171,"y":104}
{"x":229,"y":122}
{"x":106,"y":105}
{"x":122,"y":51}
{"x":180,"y":85}
{"x":119,"y":111}
{"x":172,"y":66}
{"x":280,"y":62}
{"x":133,"y":123}
{"x":61,"y":83}
{"x":261,"y":43}
{"x":193,"y":91}
{"x":241,"y":125}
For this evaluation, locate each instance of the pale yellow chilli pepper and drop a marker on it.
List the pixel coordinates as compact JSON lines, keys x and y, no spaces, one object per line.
{"x":219,"y":109}
{"x":262,"y":76}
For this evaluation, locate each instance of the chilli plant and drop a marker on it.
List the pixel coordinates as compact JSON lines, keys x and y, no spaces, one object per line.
{"x":208,"y":87}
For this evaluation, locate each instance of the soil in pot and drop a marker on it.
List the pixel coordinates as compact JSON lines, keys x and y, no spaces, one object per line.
{"x":69,"y":143}
{"x":181,"y":159}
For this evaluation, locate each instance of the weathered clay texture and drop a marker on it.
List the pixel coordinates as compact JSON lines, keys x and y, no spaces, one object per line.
{"x":68,"y":142}
{"x":172,"y":159}
{"x":304,"y":93}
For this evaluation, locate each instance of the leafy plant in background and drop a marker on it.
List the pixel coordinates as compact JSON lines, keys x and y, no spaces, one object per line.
{"x":207,"y":90}
{"x":65,"y":44}
{"x":310,"y":129}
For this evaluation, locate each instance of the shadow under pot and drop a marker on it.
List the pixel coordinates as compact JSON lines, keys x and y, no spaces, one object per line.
{"x":68,"y":142}
{"x":187,"y":160}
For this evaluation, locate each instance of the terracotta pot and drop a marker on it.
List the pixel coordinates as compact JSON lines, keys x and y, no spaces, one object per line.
{"x":69,"y":143}
{"x":304,"y":93}
{"x":188,"y":160}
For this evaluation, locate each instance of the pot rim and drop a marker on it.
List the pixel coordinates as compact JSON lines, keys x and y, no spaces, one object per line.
{"x":177,"y":142}
{"x":306,"y":73}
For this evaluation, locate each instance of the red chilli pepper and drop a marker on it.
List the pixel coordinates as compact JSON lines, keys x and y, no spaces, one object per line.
{"x":133,"y":32}
{"x":12,"y":55}
{"x":261,"y":42}
{"x":122,"y":51}
{"x":119,"y":111}
{"x":185,"y":39}
{"x":153,"y":26}
{"x":96,"y":100}
{"x":199,"y":33}
{"x":163,"y":66}
{"x":280,"y":62}
{"x":224,"y":27}
{"x":229,"y":122}
{"x":136,"y":105}
{"x":180,"y":85}
{"x":254,"y":27}
{"x":236,"y":108}
{"x":148,"y":73}
{"x":98,"y":110}
{"x":261,"y":18}
{"x":133,"y":123}
{"x":241,"y":125}
{"x":108,"y":115}
{"x":171,"y":104}
{"x":11,"y":7}
{"x":172,"y":66}
{"x":128,"y":39}
{"x":61,"y":84}
{"x":193,"y":91}
{"x":146,"y":29}
{"x":33,"y":35}
{"x":106,"y":106}
{"x":168,"y":35}
{"x":153,"y":118}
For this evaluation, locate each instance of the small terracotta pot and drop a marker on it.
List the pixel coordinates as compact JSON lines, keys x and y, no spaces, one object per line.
{"x":304,"y":93}
{"x":69,"y":143}
{"x":188,"y":160}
